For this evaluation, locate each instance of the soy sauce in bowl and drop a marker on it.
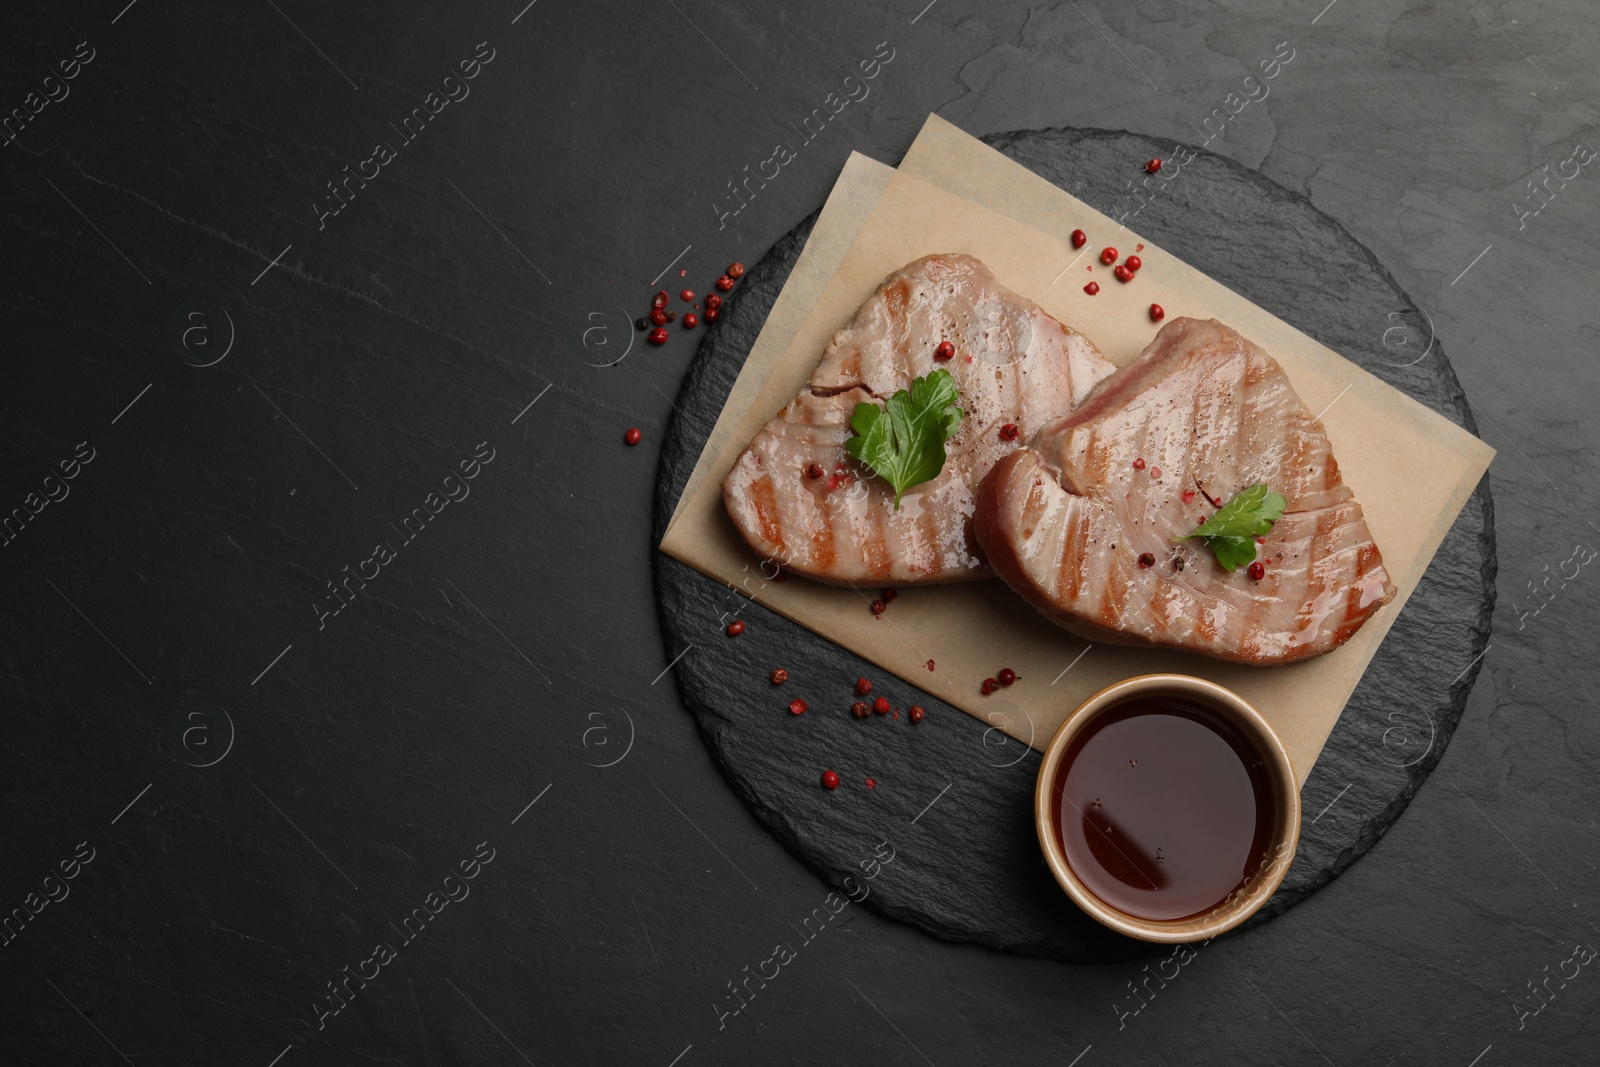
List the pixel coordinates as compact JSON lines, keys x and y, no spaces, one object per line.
{"x":1167,"y":808}
{"x":1163,"y":808}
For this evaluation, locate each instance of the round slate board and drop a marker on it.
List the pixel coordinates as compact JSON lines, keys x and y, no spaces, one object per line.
{"x":968,"y":867}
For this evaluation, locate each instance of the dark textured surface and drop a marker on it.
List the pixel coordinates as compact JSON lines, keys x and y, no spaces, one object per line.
{"x":977,"y":875}
{"x":516,"y":643}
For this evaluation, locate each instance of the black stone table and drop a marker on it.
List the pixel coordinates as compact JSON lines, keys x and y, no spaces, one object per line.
{"x":267,"y":794}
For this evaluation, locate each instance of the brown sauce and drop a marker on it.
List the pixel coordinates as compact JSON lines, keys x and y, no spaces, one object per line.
{"x":1163,"y":808}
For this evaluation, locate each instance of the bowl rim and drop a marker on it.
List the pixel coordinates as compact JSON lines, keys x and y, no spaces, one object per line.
{"x":1284,"y":787}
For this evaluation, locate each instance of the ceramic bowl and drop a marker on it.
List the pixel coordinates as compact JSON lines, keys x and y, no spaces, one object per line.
{"x":1283,"y":795}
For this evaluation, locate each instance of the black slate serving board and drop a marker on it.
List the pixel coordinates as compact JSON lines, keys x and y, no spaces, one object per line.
{"x":968,"y":867}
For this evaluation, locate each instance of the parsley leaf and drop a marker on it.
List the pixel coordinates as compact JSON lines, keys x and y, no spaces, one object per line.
{"x":1233,"y":552}
{"x":903,"y":441}
{"x":1231,"y":532}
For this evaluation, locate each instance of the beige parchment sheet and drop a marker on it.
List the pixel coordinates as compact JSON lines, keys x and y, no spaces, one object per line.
{"x":1411,"y":469}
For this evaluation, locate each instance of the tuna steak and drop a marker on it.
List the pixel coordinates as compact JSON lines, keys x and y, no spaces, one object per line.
{"x":799,"y":499}
{"x":1066,"y":521}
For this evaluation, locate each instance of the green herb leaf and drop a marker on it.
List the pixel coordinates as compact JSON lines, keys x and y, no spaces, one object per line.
{"x":903,"y":441}
{"x":1249,"y":514}
{"x":1233,"y":552}
{"x":1231,"y":532}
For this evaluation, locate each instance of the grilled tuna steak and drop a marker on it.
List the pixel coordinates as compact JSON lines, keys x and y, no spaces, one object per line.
{"x":799,"y":499}
{"x":1066,"y":521}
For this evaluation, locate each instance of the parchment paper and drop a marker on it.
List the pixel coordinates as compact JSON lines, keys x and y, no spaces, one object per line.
{"x":970,"y":631}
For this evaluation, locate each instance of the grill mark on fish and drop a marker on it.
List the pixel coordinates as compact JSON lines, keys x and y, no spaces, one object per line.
{"x":896,"y":299}
{"x":763,"y":495}
{"x":822,"y":545}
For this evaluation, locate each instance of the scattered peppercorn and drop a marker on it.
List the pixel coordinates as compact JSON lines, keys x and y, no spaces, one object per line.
{"x":830,"y":780}
{"x":689,"y":321}
{"x":1108,"y":255}
{"x":1147,"y":559}
{"x":632,"y":436}
{"x":797,"y":707}
{"x":1092,"y":288}
{"x":672,"y":316}
{"x":658,"y":336}
{"x":863,"y":687}
{"x":713,"y":300}
{"x":917,"y":713}
{"x":1138,"y":464}
{"x":735,"y":270}
{"x":712,"y":315}
{"x":1157,"y":313}
{"x":1257,"y":571}
{"x":872,"y":783}
{"x":1008,"y":432}
{"x":860,"y":709}
{"x":658,"y":317}
{"x":881,"y":705}
{"x":813,"y":470}
{"x":736,"y":627}
{"x":1079,"y":238}
{"x":879,"y":607}
{"x":1123,"y":273}
{"x":780,"y":676}
{"x":944,"y":352}
{"x":1133,"y":263}
{"x":687,"y":296}
{"x":888,"y":596}
{"x":724,"y":283}
{"x":660,"y":300}
{"x":641,"y":324}
{"x":1006,"y":676}
{"x":1153,"y":166}
{"x":989,"y":686}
